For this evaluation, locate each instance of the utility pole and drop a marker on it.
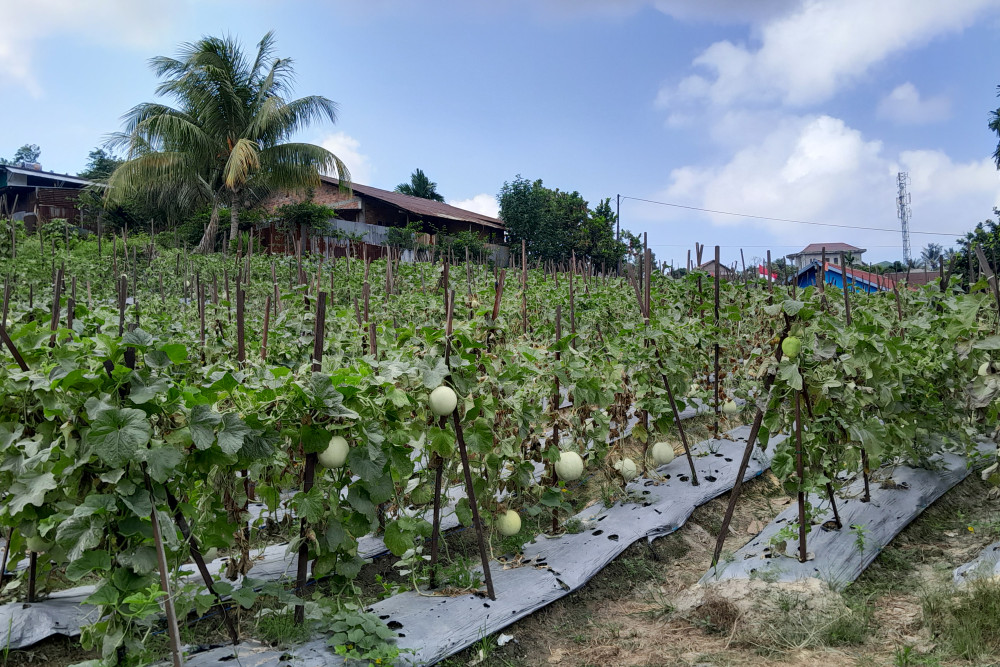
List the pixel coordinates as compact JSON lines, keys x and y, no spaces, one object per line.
{"x":618,"y":217}
{"x":903,"y":210}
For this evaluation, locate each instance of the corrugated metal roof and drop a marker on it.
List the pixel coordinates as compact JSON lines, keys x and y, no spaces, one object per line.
{"x":420,"y":206}
{"x":48,"y":174}
{"x":852,"y":274}
{"x":831,"y":248}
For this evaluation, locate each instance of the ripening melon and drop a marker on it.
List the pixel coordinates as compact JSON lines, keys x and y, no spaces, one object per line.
{"x":335,"y":454}
{"x":627,"y":469}
{"x":569,"y":467}
{"x":663,"y":453}
{"x":443,"y":401}
{"x":509,"y":523}
{"x":791,"y":346}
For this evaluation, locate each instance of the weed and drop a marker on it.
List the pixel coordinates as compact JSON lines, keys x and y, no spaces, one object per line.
{"x":860,"y":535}
{"x":573,"y":526}
{"x":277,"y":627}
{"x":968,"y":620}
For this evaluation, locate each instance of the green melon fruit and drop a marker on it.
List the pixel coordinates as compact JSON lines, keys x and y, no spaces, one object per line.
{"x":509,"y":523}
{"x":569,"y":467}
{"x":663,"y":453}
{"x":443,"y":401}
{"x":791,"y":347}
{"x":627,"y":469}
{"x":335,"y":454}
{"x":730,"y":408}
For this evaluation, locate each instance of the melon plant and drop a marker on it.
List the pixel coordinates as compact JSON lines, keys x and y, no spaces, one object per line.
{"x":569,"y":467}
{"x":443,"y":401}
{"x":335,"y":454}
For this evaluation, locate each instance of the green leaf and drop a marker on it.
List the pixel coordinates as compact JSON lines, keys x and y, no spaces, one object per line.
{"x":988,"y":343}
{"x":30,"y":489}
{"x":463,"y":511}
{"x":433,"y":376}
{"x":398,"y":539}
{"x":788,"y":371}
{"x":792,"y":307}
{"x":145,"y":386}
{"x":232,"y":432}
{"x":79,"y":535}
{"x":117,"y":434}
{"x":314,"y":439}
{"x":176,"y":352}
{"x":137,"y":338}
{"x":245,"y":596}
{"x":202,"y":423}
{"x":161,"y":461}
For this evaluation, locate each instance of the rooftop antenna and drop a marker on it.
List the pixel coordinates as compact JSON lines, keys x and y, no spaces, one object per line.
{"x":903,"y":210}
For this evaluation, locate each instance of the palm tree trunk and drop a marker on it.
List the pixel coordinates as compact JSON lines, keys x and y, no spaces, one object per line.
{"x":234,"y":220}
{"x":207,"y":243}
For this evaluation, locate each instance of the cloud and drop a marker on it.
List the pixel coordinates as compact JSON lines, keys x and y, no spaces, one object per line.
{"x":138,"y":25}
{"x":817,"y":168}
{"x":904,"y":105}
{"x":484,"y":204}
{"x":347,"y":148}
{"x":805,"y":56}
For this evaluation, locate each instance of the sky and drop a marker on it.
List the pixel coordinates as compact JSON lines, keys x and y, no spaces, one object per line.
{"x":799,"y":110}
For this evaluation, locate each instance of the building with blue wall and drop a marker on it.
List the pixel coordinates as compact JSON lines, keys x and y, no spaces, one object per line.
{"x":858,"y":280}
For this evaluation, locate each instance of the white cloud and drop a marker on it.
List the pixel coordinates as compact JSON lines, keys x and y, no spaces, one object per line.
{"x":133,"y":24}
{"x":805,"y":56}
{"x":484,"y":204}
{"x":347,"y":148}
{"x":818,"y":168}
{"x":905,"y":105}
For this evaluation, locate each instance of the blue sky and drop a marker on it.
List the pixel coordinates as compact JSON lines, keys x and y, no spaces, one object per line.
{"x":796,"y":109}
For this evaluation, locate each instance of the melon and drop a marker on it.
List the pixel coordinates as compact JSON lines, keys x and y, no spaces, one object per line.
{"x":569,"y":467}
{"x":627,"y":469}
{"x":791,"y":346}
{"x":443,"y":401}
{"x":730,"y":407}
{"x":663,"y":453}
{"x":509,"y":523}
{"x":335,"y":454}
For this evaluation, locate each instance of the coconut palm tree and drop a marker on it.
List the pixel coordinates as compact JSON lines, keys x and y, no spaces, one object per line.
{"x":994,"y":126}
{"x":226,"y":140}
{"x":931,"y":255}
{"x":420,"y":186}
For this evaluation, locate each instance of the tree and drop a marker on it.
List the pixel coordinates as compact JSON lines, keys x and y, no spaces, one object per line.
{"x":226,"y":140}
{"x":26,"y":154}
{"x":420,"y":186}
{"x":555,"y":224}
{"x":931,"y":255}
{"x":100,"y":165}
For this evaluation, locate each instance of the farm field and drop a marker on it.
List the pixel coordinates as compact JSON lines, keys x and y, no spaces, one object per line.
{"x":162,"y":410}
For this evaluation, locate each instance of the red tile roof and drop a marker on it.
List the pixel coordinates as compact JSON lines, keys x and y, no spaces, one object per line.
{"x":421,"y":206}
{"x":870,"y":278}
{"x":831,"y":249}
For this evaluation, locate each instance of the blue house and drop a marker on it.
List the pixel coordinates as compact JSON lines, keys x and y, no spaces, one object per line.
{"x":859,"y":281}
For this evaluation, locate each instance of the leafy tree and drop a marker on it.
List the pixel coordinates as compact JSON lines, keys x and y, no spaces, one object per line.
{"x":226,"y":140}
{"x":554,"y":223}
{"x":100,"y":165}
{"x":307,"y":214}
{"x":420,"y":186}
{"x":931,"y":254}
{"x":28,"y":153}
{"x":986,"y":235}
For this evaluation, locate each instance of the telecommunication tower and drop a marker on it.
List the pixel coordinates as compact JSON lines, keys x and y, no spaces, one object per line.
{"x":903,"y":210}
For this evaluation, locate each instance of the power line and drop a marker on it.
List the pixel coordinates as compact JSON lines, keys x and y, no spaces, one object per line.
{"x":797,"y":222}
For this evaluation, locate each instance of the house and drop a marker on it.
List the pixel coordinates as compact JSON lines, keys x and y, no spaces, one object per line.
{"x":30,"y":194}
{"x":915,"y":277}
{"x":814,"y":253}
{"x":859,"y":281}
{"x":724,"y":271}
{"x":367,"y":211}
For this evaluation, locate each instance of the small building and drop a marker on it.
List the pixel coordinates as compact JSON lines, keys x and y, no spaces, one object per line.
{"x":724,"y":271}
{"x":814,"y":253}
{"x":858,"y":280}
{"x":373,"y":207}
{"x":27,"y":193}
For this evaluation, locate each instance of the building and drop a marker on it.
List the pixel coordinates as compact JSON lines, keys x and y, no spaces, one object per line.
{"x":724,"y":271}
{"x":859,"y":281}
{"x":814,"y":253}
{"x":369,"y":211}
{"x":27,"y":193}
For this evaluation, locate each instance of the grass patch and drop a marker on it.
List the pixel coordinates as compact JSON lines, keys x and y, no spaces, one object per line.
{"x":966,"y":621}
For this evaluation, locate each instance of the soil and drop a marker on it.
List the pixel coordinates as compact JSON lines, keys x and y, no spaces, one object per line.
{"x":646,"y":609}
